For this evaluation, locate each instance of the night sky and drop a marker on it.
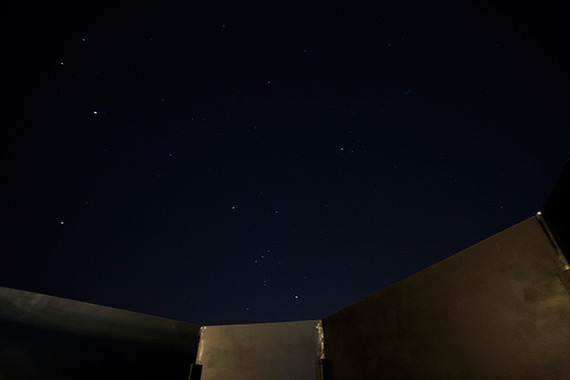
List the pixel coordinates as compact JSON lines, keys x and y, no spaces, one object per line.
{"x":234,"y":164}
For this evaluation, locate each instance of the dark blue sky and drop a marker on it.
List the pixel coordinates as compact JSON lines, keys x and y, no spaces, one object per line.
{"x":235,"y":164}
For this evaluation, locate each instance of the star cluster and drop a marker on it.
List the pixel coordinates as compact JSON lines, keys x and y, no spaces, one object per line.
{"x":234,"y":164}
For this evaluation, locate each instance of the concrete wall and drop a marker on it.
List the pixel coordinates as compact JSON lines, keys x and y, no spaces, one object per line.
{"x":267,"y":351}
{"x":497,"y":310}
{"x":44,"y":337}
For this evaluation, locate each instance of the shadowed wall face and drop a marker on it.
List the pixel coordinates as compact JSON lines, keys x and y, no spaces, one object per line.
{"x":556,"y":211}
{"x":268,"y":351}
{"x":496,"y":310}
{"x":44,"y":337}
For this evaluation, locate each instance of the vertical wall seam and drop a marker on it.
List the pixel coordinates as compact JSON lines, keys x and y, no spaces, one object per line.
{"x":563,"y":265}
{"x":201,"y":342}
{"x":320,"y":340}
{"x":562,"y":261}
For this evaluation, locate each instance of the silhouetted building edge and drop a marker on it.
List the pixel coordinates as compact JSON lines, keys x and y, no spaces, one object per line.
{"x":499,"y":309}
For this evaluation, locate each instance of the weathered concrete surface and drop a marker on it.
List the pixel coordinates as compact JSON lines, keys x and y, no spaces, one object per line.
{"x":497,"y":310}
{"x":44,"y":337}
{"x":266,"y":351}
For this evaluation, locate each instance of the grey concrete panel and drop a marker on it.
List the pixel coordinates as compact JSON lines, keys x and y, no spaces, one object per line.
{"x":267,"y":351}
{"x":44,"y":337}
{"x":497,"y":310}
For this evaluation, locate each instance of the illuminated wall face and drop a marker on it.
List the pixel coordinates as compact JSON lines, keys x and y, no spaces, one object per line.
{"x":498,"y":309}
{"x":275,"y":351}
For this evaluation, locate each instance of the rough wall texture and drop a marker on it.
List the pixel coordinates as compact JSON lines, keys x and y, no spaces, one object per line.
{"x":44,"y":337}
{"x":266,"y":351}
{"x":497,"y":310}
